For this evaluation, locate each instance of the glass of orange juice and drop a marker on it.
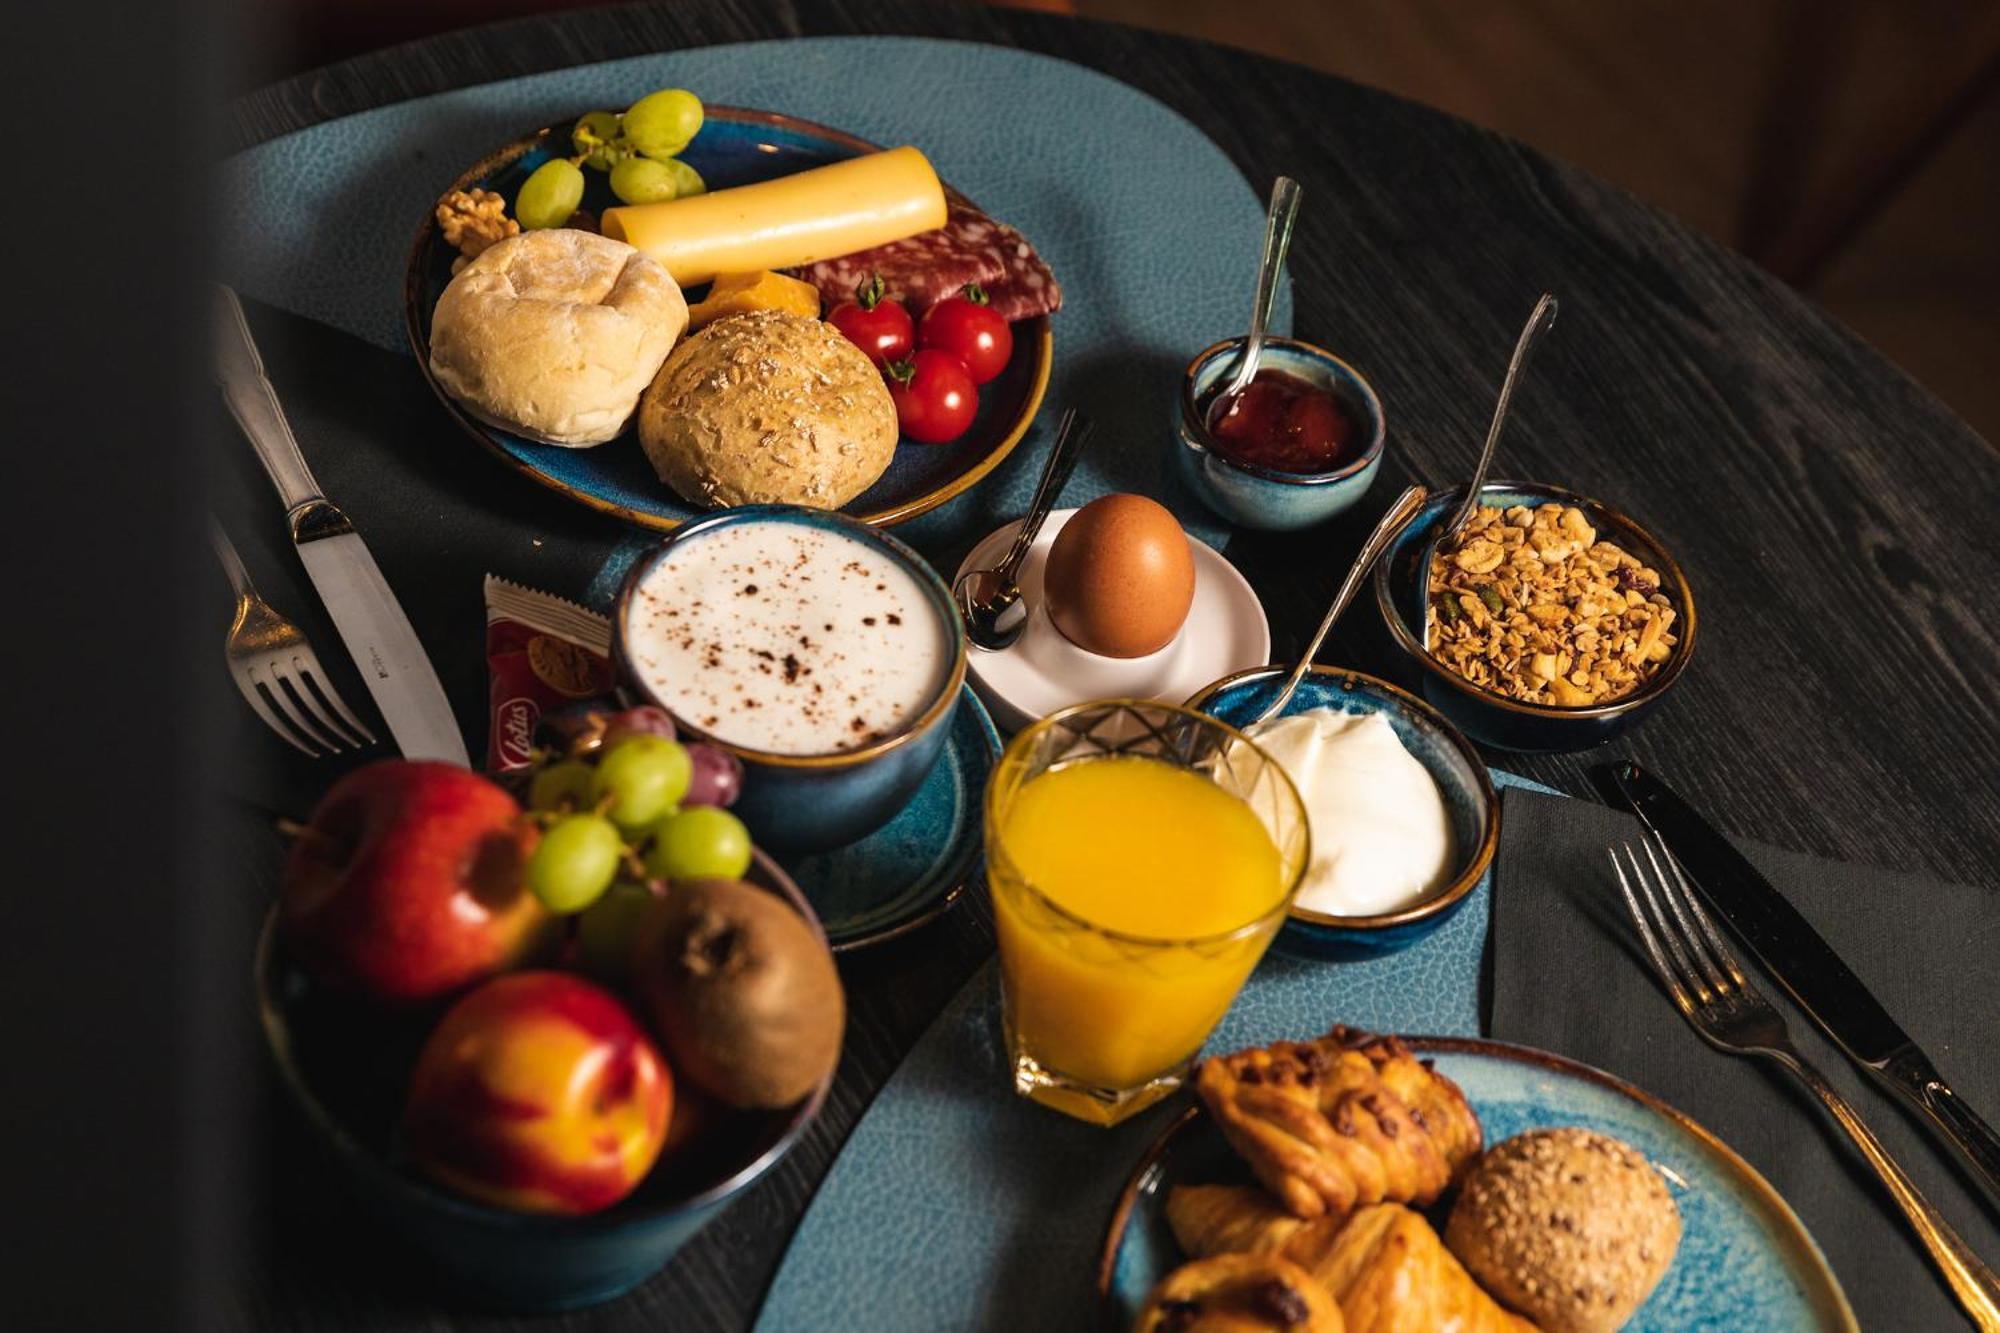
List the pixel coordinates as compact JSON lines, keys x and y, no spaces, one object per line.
{"x":1141,"y":857}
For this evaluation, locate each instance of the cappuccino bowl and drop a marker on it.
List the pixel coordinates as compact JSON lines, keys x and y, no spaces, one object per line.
{"x":808,"y":798}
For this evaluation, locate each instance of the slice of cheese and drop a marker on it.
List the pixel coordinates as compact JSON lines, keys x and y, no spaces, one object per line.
{"x":740,"y":293}
{"x":799,"y":219}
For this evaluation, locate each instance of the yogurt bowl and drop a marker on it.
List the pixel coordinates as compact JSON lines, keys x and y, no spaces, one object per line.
{"x":823,"y":654}
{"x":1472,"y":810}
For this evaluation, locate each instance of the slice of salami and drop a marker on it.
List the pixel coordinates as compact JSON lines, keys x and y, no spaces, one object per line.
{"x":1026,"y":287}
{"x":918,"y":270}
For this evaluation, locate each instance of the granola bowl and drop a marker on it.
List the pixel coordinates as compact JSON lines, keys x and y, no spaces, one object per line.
{"x":1530,"y":616}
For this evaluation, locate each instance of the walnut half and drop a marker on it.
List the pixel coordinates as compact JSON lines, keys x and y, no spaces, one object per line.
{"x":472,"y":220}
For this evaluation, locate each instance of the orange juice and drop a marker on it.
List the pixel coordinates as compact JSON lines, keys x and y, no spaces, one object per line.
{"x":1154,"y":892}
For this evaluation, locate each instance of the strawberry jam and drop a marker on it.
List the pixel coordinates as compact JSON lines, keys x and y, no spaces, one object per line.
{"x":1282,"y":422}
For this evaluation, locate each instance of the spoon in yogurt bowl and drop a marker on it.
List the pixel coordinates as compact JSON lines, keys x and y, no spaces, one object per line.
{"x":1539,"y":321}
{"x":1391,"y":525}
{"x":989,"y":600}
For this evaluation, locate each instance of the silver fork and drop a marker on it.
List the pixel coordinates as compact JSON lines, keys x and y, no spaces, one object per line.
{"x":271,"y":663}
{"x":1702,"y":975}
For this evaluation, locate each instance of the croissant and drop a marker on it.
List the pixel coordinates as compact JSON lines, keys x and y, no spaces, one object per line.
{"x":1229,"y":1219}
{"x":1239,"y":1293}
{"x":1346,"y":1120}
{"x":1384,"y":1264}
{"x":1391,"y":1274}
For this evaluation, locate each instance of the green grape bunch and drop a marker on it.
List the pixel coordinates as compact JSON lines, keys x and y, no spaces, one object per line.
{"x":639,"y":151}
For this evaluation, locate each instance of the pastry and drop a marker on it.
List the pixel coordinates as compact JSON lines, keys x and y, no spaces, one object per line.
{"x":1391,"y":1274}
{"x":1239,"y":1293}
{"x":1572,"y":1228}
{"x":1228,"y":1219}
{"x":1383,"y":1264}
{"x":1346,"y":1120}
{"x":768,"y":407}
{"x":554,"y":334}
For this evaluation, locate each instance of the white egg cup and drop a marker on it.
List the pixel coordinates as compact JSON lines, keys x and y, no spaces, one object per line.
{"x":1042,"y":671}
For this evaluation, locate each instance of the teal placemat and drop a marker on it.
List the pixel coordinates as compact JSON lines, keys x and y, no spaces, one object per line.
{"x":956,"y":1204}
{"x":1149,"y":227}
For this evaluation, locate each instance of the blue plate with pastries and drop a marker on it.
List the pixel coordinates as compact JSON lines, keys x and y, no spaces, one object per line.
{"x":912,"y":870}
{"x":1742,"y":1259}
{"x":736,"y":146}
{"x":1450,"y":759}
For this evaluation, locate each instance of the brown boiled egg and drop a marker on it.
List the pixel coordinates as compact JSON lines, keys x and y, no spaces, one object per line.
{"x":1120,"y":577}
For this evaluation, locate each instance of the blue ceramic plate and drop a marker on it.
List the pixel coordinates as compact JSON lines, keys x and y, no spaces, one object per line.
{"x":1744,"y":1260}
{"x":735,"y":147}
{"x":912,"y":869}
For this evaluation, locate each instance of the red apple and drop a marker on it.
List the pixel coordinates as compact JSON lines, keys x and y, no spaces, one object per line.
{"x":406,"y":884}
{"x":540,"y":1092}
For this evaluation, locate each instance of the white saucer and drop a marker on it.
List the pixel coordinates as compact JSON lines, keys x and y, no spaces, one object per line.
{"x":1043,"y":671}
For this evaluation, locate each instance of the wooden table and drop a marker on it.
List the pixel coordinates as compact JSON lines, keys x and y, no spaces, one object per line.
{"x":1836,"y":520}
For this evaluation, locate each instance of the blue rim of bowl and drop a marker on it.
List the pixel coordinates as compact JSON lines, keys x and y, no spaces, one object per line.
{"x":1746,"y":1174}
{"x":1036,"y":332}
{"x":1191,"y":413}
{"x":996,"y":850}
{"x":614,"y":1219}
{"x":1467,"y":879}
{"x":917,"y":566}
{"x":1681,"y":594}
{"x":961,"y":878}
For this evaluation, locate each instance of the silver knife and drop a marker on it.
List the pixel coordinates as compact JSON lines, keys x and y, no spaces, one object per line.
{"x":1806,"y":965}
{"x":371,"y":623}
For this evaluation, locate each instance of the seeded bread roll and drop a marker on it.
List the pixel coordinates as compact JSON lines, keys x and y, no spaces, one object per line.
{"x":768,"y":408}
{"x":1571,"y":1228}
{"x":554,"y":334}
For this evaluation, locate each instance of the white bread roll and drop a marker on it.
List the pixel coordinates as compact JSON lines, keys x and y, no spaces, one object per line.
{"x":554,"y":334}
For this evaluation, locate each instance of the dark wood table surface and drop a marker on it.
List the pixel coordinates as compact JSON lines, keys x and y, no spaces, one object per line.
{"x":1838,"y":522}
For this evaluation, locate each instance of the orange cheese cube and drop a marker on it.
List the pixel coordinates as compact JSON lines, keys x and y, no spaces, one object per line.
{"x":741,"y":293}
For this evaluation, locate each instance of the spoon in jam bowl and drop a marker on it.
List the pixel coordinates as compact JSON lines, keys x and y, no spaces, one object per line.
{"x":1278,"y":222}
{"x":989,"y":600}
{"x":1393,"y":522}
{"x":1539,"y":321}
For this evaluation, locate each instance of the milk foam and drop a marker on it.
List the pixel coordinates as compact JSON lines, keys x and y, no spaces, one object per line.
{"x":787,"y":638}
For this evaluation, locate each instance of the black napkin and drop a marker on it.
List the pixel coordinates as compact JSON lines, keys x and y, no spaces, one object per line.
{"x":1567,"y":976}
{"x":436,"y":510}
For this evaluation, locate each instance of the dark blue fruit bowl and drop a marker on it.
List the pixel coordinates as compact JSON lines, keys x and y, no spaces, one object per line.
{"x":1494,"y":719}
{"x":1446,"y":755}
{"x":346,"y":1066}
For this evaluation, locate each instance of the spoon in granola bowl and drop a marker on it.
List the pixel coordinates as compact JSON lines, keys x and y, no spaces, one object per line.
{"x":1539,"y":321}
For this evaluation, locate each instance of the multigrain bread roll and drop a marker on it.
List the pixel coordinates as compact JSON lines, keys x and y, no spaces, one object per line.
{"x":554,"y":334}
{"x":1573,"y":1229}
{"x":768,"y":408}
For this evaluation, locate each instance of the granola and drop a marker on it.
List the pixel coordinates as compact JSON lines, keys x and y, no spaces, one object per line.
{"x":1527,"y":602}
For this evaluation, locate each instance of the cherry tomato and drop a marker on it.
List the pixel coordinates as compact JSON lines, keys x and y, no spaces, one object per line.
{"x":878,"y":327}
{"x":970,"y":330}
{"x":935,"y":397}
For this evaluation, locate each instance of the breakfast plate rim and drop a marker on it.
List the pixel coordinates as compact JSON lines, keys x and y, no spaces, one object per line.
{"x":1037,"y":332}
{"x":1789,"y":1232}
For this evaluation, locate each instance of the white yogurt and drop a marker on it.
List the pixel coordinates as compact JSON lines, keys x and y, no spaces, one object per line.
{"x":787,"y":638}
{"x":1381,"y":838}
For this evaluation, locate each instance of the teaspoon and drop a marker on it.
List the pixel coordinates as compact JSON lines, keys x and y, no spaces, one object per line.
{"x":989,"y":600}
{"x":1393,"y":522}
{"x":1539,"y":321}
{"x":1284,"y":211}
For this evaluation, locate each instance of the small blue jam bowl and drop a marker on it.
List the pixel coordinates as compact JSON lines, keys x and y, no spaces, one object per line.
{"x":1495,"y":719}
{"x":1449,"y":758}
{"x":345,"y":1066}
{"x":1258,"y":497}
{"x":813,"y":803}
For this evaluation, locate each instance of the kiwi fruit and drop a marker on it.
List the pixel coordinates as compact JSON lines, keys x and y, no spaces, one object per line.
{"x":742,"y":992}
